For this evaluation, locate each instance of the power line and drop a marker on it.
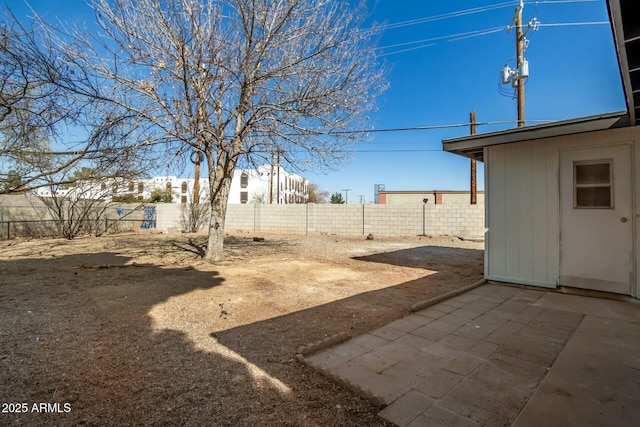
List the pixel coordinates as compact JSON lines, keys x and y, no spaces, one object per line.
{"x":392,"y":150}
{"x":429,"y":127}
{"x":570,"y":24}
{"x":444,"y":16}
{"x":350,"y":132}
{"x":560,"y":2}
{"x":470,"y":34}
{"x":470,"y":11}
{"x":467,"y":34}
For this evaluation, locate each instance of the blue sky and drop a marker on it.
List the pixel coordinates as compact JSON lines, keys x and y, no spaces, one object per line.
{"x":573,"y":73}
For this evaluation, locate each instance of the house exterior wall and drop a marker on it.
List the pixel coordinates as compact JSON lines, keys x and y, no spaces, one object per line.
{"x":522,"y":215}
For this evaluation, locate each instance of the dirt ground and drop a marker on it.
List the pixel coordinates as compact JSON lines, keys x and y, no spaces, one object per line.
{"x":135,"y":329}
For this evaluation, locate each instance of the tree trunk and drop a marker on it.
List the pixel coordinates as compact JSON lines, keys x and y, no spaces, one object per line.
{"x":218,"y":211}
{"x":215,"y":245}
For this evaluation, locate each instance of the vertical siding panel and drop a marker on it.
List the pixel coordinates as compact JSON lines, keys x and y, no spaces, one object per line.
{"x":526,"y":211}
{"x":497,"y":232}
{"x":512,"y":211}
{"x":553,"y":212}
{"x":487,"y":208}
{"x":540,"y":207}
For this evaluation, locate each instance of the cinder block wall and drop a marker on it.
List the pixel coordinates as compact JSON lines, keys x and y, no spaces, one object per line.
{"x":278,"y":218}
{"x":349,"y":220}
{"x":168,"y":216}
{"x":335,"y":219}
{"x":396,"y":220}
{"x":27,"y":216}
{"x":243,"y":219}
{"x":382,"y":220}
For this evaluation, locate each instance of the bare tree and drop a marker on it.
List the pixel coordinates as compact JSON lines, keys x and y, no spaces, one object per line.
{"x":316,"y":194}
{"x":231,"y":82}
{"x":29,"y":105}
{"x":40,"y":98}
{"x":259,"y":197}
{"x":194,"y":216}
{"x":82,"y":208}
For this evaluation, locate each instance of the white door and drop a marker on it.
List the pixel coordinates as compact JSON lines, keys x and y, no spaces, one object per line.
{"x":596,"y":247}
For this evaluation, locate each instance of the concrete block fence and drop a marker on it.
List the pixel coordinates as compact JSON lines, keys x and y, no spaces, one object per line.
{"x":350,"y":220}
{"x":381,"y":220}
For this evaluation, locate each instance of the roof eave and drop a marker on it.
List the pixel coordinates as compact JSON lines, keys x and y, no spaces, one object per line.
{"x":473,"y":146}
{"x":617,"y":28}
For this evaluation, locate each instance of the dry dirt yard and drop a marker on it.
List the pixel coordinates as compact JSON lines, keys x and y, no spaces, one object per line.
{"x":135,"y":329}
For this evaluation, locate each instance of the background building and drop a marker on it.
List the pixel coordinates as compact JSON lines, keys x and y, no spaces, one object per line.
{"x":247,"y":186}
{"x":438,"y":197}
{"x":267,"y":185}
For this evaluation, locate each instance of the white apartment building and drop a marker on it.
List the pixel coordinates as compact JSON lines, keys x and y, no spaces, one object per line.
{"x":267,"y":185}
{"x":247,"y":186}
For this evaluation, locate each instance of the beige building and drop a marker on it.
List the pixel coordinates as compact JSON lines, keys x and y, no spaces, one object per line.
{"x":437,"y":197}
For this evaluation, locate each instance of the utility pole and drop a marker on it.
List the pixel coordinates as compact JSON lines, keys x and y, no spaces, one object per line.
{"x":346,"y":195}
{"x":517,"y":76}
{"x":196,"y":161}
{"x":271,"y":181}
{"x":278,"y":183}
{"x":196,"y":179}
{"x":474,"y":186}
{"x":519,"y":63}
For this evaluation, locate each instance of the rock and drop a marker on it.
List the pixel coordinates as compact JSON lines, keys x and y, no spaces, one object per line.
{"x":370,"y":237}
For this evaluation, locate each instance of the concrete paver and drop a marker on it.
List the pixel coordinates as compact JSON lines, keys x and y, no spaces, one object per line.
{"x":407,"y":408}
{"x":596,"y":378}
{"x":478,"y":358}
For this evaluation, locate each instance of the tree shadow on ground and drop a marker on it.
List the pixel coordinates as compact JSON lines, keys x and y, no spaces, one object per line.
{"x":80,"y":334}
{"x":192,"y":246}
{"x":235,"y":247}
{"x":424,"y":257}
{"x":357,"y":314}
{"x":78,"y":331}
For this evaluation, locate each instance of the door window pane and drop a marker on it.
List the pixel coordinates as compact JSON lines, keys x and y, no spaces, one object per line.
{"x":593,"y":174}
{"x":593,"y":197}
{"x":592,"y":184}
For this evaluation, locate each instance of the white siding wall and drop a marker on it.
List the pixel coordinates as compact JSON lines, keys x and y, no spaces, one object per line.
{"x":522,"y":213}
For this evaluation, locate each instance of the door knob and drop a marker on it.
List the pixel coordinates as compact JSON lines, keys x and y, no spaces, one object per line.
{"x":623,"y":219}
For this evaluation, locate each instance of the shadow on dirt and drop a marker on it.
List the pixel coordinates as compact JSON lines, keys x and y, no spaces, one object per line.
{"x":424,"y":256}
{"x":235,"y":247}
{"x":78,"y":330}
{"x":357,"y":314}
{"x":80,"y":334}
{"x":192,"y":246}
